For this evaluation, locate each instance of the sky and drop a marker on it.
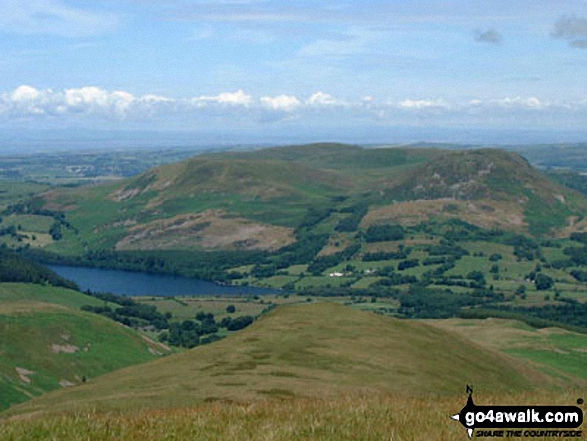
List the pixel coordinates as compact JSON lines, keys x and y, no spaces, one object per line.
{"x":466,"y":70}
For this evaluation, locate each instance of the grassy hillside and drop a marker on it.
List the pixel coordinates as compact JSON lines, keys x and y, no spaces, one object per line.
{"x":483,"y":187}
{"x":317,"y":350}
{"x":47,"y":343}
{"x":554,"y":351}
{"x":370,"y":417}
{"x":256,"y":200}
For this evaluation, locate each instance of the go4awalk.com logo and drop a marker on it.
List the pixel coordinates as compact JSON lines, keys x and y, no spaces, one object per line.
{"x":520,"y":421}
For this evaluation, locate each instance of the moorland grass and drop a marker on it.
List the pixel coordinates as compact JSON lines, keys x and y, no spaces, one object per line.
{"x":325,"y":348}
{"x":345,"y":417}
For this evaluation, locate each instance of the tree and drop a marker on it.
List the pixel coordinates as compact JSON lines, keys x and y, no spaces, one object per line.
{"x":230,"y":309}
{"x":543,"y":282}
{"x":478,"y":277}
{"x":238,"y":323}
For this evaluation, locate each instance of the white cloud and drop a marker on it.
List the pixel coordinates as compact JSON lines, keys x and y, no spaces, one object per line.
{"x":25,"y":99}
{"x":25,"y":94}
{"x":423,"y":104}
{"x":281,"y":102}
{"x":238,"y":98}
{"x":122,"y":101}
{"x":322,"y":99}
{"x":95,"y":104}
{"x":155,"y":99}
{"x":86,"y":97}
{"x":519,"y":102}
{"x":94,"y":99}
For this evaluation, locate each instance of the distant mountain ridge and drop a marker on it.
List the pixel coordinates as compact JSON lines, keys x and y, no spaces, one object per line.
{"x":255,"y":200}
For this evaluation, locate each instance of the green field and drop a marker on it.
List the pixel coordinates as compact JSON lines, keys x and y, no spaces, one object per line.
{"x":555,"y":351}
{"x":15,"y":192}
{"x":187,"y":307}
{"x":47,"y":343}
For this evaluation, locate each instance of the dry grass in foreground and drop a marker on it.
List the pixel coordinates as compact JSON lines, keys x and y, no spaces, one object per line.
{"x":348,"y":417}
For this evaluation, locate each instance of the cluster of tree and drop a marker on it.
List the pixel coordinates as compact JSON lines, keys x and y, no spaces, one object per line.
{"x":409,"y":263}
{"x":425,"y":302}
{"x":579,"y":275}
{"x":16,"y":268}
{"x":237,"y":323}
{"x":351,"y":223}
{"x":569,"y":311}
{"x":263,"y":271}
{"x":129,"y":312}
{"x":33,"y":206}
{"x":55,"y":231}
{"x":302,"y":251}
{"x":190,"y":333}
{"x":211,"y":265}
{"x":403,"y":253}
{"x":569,"y":314}
{"x":437,"y":260}
{"x":384,"y":233}
{"x":187,"y":333}
{"x":543,"y":282}
{"x":12,"y":231}
{"x":577,"y":255}
{"x":345,"y":291}
{"x":579,"y":237}
{"x":524,"y":247}
{"x":484,"y":312}
{"x":447,"y":248}
{"x":455,"y":281}
{"x":478,"y":278}
{"x":314,"y":216}
{"x":459,"y":230}
{"x":395,"y":279}
{"x":386,"y":271}
{"x":432,"y":276}
{"x":323,"y":262}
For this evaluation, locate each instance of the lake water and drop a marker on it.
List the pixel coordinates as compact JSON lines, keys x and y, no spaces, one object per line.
{"x":130,"y":283}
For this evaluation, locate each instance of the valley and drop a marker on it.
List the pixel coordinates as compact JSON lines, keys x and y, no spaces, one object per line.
{"x":396,"y":274}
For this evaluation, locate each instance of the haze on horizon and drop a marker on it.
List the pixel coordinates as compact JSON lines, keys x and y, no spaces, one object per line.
{"x":139,"y":71}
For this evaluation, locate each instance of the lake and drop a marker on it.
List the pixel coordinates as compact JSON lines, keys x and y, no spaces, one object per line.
{"x":130,"y":283}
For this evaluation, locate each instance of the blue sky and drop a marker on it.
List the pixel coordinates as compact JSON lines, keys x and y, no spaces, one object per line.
{"x":301,"y":67}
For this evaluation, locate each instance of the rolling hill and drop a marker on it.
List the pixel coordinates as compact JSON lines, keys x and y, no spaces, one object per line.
{"x":258,"y":200}
{"x":347,"y":418}
{"x":307,"y":351}
{"x":47,"y":343}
